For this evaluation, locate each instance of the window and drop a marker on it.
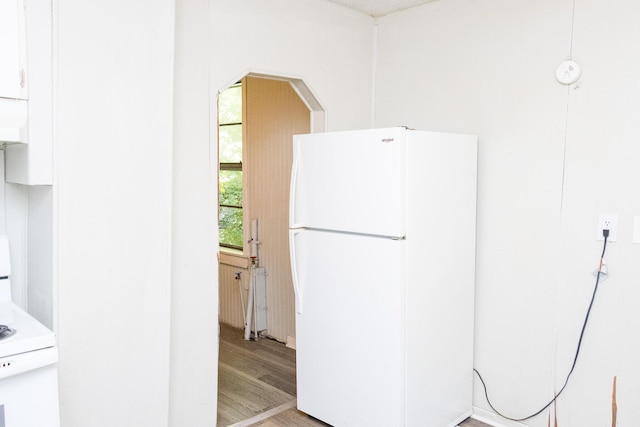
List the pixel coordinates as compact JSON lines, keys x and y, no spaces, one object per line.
{"x":230,"y":172}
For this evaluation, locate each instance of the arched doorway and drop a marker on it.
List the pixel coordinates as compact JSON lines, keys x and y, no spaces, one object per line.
{"x":274,"y":108}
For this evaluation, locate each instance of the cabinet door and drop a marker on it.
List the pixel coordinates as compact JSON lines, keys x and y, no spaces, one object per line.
{"x":32,"y":163}
{"x":12,"y":49}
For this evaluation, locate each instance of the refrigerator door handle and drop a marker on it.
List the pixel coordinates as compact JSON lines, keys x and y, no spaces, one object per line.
{"x":292,"y":188}
{"x":294,"y":270}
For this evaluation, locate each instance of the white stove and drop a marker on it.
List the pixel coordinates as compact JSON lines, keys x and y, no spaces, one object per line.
{"x":28,"y":357}
{"x":28,"y":338}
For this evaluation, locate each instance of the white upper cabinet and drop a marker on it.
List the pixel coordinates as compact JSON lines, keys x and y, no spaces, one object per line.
{"x":29,"y":137}
{"x":13,"y":81}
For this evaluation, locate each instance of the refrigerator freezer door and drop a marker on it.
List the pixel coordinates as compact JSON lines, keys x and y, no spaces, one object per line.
{"x":350,"y":181}
{"x":350,"y":352}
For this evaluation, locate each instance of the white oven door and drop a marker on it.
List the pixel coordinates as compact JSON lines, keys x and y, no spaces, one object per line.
{"x":29,"y":399}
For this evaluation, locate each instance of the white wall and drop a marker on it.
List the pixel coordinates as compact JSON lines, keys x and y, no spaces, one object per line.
{"x":112,"y":210}
{"x":16,"y":199}
{"x":27,"y":222}
{"x":194,"y":296}
{"x":26,"y":219}
{"x":40,"y":303}
{"x":13,"y":223}
{"x":550,"y":158}
{"x":217,"y":42}
{"x":329,"y":47}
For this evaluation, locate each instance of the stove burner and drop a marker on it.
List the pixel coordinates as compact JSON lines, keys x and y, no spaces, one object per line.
{"x":6,"y":331}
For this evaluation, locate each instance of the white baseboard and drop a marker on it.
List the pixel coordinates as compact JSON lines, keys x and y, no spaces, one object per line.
{"x":494,"y":419}
{"x":291,"y":342}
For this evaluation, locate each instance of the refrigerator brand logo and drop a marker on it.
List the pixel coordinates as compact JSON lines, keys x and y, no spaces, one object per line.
{"x":387,"y":140}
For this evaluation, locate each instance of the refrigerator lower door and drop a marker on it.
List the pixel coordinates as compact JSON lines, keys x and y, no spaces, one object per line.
{"x":349,"y":327}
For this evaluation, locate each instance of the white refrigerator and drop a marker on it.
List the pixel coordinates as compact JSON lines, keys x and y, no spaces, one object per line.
{"x":382,"y":241}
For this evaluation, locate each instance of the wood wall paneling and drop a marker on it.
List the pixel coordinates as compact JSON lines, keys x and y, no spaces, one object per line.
{"x":273,"y":114}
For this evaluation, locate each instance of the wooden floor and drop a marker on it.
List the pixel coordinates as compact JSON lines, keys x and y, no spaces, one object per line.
{"x":257,"y":384}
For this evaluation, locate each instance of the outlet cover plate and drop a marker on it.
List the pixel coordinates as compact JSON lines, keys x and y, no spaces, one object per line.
{"x":610,"y":221}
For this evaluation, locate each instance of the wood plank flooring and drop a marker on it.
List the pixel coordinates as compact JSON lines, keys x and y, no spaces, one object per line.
{"x":257,"y":384}
{"x":253,"y":376}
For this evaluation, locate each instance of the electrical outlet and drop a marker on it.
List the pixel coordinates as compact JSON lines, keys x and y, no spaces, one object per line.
{"x":608,"y":221}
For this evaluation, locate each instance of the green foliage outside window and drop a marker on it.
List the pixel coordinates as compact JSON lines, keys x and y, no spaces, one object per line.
{"x":230,"y":219}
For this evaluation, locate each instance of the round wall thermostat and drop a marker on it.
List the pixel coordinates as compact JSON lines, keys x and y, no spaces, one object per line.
{"x":568,"y":72}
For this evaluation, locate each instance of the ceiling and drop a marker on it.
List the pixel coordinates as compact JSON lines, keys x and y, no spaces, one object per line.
{"x":377,"y":8}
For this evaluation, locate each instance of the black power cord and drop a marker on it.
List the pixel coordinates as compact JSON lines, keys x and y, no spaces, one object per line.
{"x":605,"y":233}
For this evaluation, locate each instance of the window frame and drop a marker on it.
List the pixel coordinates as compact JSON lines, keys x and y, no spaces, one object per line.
{"x":233,"y":166}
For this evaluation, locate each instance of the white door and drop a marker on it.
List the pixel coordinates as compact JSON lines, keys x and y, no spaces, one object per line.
{"x":350,"y":181}
{"x":349,"y":327}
